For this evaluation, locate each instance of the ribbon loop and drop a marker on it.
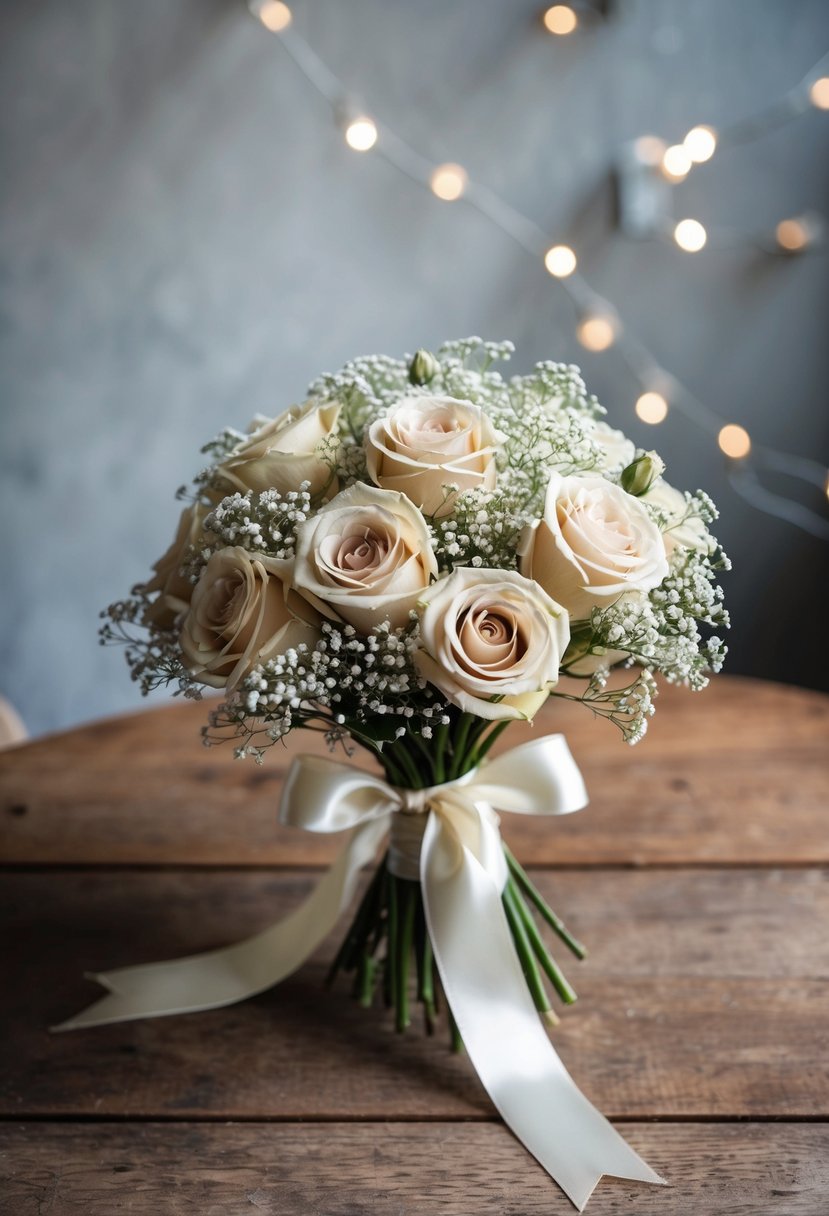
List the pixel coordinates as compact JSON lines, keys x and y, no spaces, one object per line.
{"x":462,"y":873}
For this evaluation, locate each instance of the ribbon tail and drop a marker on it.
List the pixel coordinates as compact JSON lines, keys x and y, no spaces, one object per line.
{"x":501,"y":1029}
{"x":234,"y":973}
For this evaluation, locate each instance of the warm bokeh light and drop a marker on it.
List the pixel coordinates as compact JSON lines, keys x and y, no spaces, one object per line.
{"x":792,"y":235}
{"x":734,"y":441}
{"x":676,"y":163}
{"x":560,"y":261}
{"x":274,"y":15}
{"x":651,"y":408}
{"x":449,"y":182}
{"x":819,"y":93}
{"x":361,"y":134}
{"x":560,"y":19}
{"x":700,"y":143}
{"x":649,"y":149}
{"x":690,"y":235}
{"x":596,"y":332}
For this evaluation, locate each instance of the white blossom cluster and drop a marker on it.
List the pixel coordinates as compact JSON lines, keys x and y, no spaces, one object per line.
{"x":542,"y":425}
{"x":265,"y":522}
{"x":345,"y":681}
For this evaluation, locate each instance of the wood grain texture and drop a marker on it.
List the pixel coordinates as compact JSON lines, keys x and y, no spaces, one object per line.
{"x":736,"y":774}
{"x":394,"y":1169}
{"x":705,"y":996}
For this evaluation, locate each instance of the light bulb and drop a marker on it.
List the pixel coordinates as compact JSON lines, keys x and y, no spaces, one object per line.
{"x":700,"y":143}
{"x":560,"y":19}
{"x":651,"y":408}
{"x":597,"y":332}
{"x":792,"y":235}
{"x":819,"y":93}
{"x":560,"y":261}
{"x":690,"y":235}
{"x":361,"y":134}
{"x":676,"y":163}
{"x":274,"y":15}
{"x":734,"y":441}
{"x":449,"y":182}
{"x":649,"y":149}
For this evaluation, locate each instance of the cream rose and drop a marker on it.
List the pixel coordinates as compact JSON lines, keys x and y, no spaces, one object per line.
{"x":365,"y":557}
{"x":593,"y":544}
{"x":491,"y":641}
{"x":681,"y":530}
{"x":241,"y":615}
{"x":174,"y":587}
{"x":426,"y":443}
{"x":284,"y":452}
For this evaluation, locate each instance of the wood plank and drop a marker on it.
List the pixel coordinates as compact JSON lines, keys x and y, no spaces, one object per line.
{"x":705,"y":996}
{"x":736,"y":774}
{"x":395,"y":1169}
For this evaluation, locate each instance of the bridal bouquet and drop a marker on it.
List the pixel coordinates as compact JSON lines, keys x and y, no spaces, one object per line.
{"x":420,"y":554}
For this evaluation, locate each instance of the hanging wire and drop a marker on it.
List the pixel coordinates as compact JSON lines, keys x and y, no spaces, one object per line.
{"x":586,"y":300}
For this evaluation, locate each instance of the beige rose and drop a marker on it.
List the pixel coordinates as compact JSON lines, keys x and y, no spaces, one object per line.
{"x":241,"y":615}
{"x":365,"y":557}
{"x":426,"y":443}
{"x":681,"y":530}
{"x":174,"y":587}
{"x":492,"y":642}
{"x":284,"y":452}
{"x":593,"y":544}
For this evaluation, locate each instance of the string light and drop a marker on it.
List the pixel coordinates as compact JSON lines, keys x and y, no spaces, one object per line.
{"x":448,"y":182}
{"x":649,"y":149}
{"x":792,"y":235}
{"x":599,"y":328}
{"x":651,"y":408}
{"x":560,"y":261}
{"x":560,"y":19}
{"x":700,"y":143}
{"x":819,"y":93}
{"x":734,"y":441}
{"x":596,"y":331}
{"x":690,"y":235}
{"x":361,"y":134}
{"x":676,"y":162}
{"x":274,"y":15}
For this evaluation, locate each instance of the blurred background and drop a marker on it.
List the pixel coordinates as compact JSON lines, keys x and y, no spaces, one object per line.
{"x":187,"y":239}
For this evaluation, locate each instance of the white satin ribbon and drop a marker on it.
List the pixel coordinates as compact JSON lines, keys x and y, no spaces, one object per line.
{"x":462,"y":873}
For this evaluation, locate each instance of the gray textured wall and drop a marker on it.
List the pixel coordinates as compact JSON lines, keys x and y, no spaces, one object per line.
{"x":186,"y":240}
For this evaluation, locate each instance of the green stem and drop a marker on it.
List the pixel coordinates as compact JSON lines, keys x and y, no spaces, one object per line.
{"x":367,"y":974}
{"x":392,"y":957}
{"x":408,"y":767}
{"x":408,"y":898}
{"x":524,"y":951}
{"x":551,"y":968}
{"x":487,"y":743}
{"x":459,"y":745}
{"x":347,"y":957}
{"x":441,"y":736}
{"x":454,"y":1033}
{"x":535,"y":897}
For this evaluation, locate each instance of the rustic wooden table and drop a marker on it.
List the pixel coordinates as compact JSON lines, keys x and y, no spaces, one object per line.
{"x":697,"y":876}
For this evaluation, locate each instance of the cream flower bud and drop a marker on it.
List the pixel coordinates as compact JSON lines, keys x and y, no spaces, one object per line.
{"x":638,"y":477}
{"x":423,"y":367}
{"x":365,"y":557}
{"x":240,"y":616}
{"x":491,"y":642}
{"x":284,"y":452}
{"x":425,"y":444}
{"x":593,"y":544}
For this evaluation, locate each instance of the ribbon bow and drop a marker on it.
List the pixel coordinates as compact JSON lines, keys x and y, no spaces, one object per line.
{"x":462,"y":873}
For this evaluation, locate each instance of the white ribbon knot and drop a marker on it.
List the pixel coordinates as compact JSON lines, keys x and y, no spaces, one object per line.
{"x":454,"y":828}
